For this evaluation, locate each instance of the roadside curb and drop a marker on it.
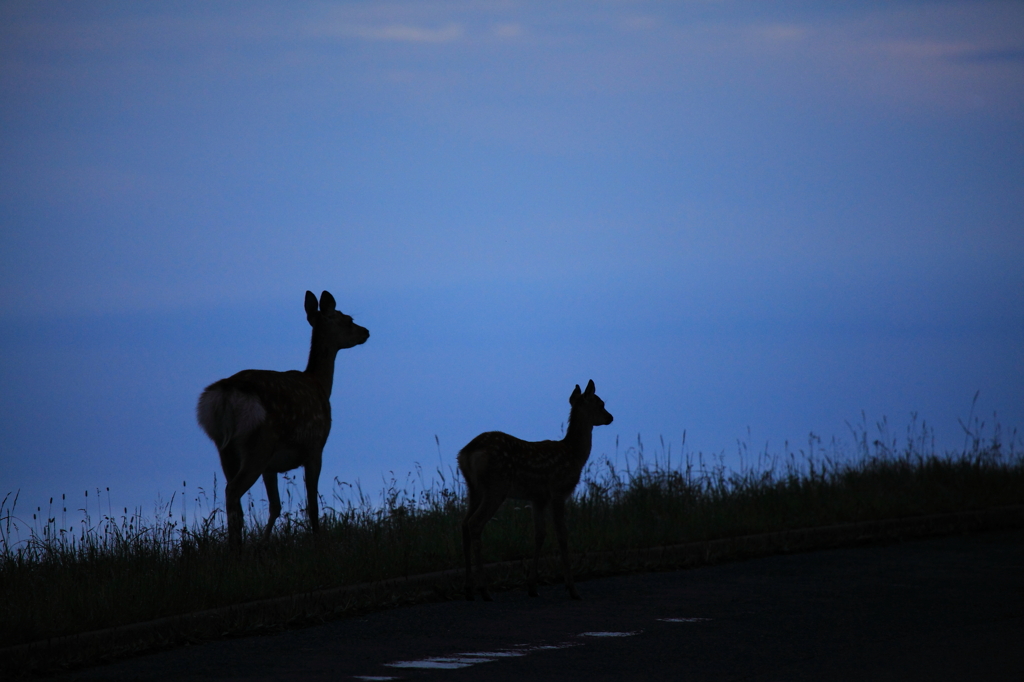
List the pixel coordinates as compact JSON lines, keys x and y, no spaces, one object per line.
{"x":269,"y":615}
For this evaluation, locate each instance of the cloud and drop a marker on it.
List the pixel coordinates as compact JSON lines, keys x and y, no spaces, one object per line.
{"x":780,"y":32}
{"x":403,"y":33}
{"x":989,"y":56}
{"x":923,"y":49}
{"x":640,"y":23}
{"x":508,"y":30}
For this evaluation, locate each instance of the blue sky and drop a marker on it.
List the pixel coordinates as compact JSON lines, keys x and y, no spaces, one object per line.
{"x":730,"y":215}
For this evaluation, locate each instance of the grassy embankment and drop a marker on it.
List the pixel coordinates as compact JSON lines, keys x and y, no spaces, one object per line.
{"x":127,"y":569}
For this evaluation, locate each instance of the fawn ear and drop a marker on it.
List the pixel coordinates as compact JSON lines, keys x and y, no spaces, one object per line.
{"x":327,"y":304}
{"x":590,"y":388}
{"x":575,"y":395}
{"x":311,"y":311}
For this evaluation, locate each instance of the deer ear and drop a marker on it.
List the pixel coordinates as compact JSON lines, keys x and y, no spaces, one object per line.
{"x":575,"y":395}
{"x":590,"y":387}
{"x":327,"y":304}
{"x":311,"y":311}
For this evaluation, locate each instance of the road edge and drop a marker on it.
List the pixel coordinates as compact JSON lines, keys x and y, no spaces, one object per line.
{"x":269,"y":615}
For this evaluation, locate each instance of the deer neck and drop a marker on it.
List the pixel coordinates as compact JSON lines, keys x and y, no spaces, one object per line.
{"x":321,"y":361}
{"x":578,"y":438}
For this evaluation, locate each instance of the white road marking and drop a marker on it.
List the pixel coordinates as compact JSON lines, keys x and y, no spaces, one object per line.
{"x":438,"y":663}
{"x":464,"y":660}
{"x":683,"y":620}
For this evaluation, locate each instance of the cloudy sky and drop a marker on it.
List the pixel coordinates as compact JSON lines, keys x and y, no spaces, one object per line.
{"x":746,"y":221}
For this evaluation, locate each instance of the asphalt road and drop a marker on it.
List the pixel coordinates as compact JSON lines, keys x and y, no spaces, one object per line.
{"x":939,"y":609}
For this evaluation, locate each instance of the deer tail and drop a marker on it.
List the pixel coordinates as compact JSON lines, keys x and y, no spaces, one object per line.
{"x":227,"y":413}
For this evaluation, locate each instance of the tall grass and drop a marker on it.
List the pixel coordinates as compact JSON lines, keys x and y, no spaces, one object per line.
{"x":114,"y":569}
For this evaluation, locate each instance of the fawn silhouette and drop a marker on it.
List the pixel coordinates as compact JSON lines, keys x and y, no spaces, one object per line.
{"x":265,"y":422}
{"x":497,"y":466}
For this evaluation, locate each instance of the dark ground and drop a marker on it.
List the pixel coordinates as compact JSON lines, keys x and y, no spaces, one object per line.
{"x":938,"y":609}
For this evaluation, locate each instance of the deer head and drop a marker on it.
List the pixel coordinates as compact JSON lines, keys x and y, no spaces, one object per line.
{"x":588,"y":403}
{"x":337,"y":328}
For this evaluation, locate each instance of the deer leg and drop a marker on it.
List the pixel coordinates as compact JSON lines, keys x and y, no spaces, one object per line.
{"x":233,"y":492}
{"x":274,"y":498}
{"x":467,"y":541}
{"x":558,"y":512}
{"x":484,"y":511}
{"x":229,"y":460}
{"x":540,"y":508}
{"x":312,"y":476}
{"x":251,"y":456}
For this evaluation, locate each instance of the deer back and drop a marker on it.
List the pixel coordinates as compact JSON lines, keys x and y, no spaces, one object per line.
{"x":530,"y":468}
{"x":293,"y":404}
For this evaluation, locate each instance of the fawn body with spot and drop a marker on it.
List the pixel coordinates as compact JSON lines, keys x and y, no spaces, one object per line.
{"x":265,"y":422}
{"x":497,"y":466}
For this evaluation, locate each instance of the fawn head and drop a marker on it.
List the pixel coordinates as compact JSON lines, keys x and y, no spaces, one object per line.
{"x":588,"y":404}
{"x":337,"y":328}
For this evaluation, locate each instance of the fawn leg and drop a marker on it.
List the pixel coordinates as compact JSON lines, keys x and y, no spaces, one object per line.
{"x":481,"y":571}
{"x":274,"y":498}
{"x":558,"y":512}
{"x":467,"y":541}
{"x":488,"y":505}
{"x":467,"y":550}
{"x":540,"y":508}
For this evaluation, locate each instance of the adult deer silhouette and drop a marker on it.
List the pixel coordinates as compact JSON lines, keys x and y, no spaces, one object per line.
{"x":265,"y":422}
{"x":497,"y":466}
